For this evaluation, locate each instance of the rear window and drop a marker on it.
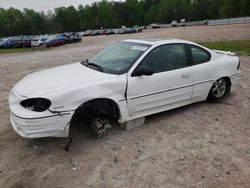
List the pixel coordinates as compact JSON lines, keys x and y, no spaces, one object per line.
{"x":199,"y":55}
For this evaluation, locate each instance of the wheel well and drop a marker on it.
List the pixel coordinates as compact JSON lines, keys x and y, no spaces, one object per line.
{"x":102,"y":108}
{"x":229,"y":83}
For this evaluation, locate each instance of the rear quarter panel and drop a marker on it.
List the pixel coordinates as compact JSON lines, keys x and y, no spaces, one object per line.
{"x":206,"y":73}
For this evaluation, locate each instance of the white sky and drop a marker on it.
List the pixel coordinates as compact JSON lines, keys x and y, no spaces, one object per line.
{"x":43,"y":5}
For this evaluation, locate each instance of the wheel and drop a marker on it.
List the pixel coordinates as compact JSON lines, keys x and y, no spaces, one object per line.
{"x":219,"y":89}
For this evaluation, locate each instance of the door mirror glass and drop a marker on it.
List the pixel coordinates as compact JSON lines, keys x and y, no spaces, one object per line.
{"x":143,"y":70}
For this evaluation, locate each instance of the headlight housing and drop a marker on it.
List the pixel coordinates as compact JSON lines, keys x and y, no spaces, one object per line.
{"x":36,"y":104}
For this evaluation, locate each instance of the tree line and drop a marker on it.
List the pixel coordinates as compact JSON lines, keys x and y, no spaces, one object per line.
{"x":114,"y":14}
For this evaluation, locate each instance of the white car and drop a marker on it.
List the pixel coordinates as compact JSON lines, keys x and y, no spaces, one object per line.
{"x":174,"y":23}
{"x":39,"y":42}
{"x":183,"y":22}
{"x":128,"y":80}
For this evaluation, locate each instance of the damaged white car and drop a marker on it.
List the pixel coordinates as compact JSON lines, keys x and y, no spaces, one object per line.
{"x":128,"y":80}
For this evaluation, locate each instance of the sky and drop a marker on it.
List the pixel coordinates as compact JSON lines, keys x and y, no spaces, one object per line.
{"x":43,"y":5}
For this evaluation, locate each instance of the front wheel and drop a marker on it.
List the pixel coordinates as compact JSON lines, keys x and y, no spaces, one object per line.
{"x":219,"y":89}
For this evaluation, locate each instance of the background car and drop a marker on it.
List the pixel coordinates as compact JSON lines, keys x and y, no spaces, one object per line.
{"x":155,"y":26}
{"x":110,"y":32}
{"x":54,"y":41}
{"x":95,"y":32}
{"x":174,"y":23}
{"x":183,"y":22}
{"x":8,"y":43}
{"x":122,"y":31}
{"x":130,"y":30}
{"x":75,"y":39}
{"x":39,"y":42}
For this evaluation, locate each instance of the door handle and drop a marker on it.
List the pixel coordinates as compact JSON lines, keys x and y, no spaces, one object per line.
{"x":186,"y":75}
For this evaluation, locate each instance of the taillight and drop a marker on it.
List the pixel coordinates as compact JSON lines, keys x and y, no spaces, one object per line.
{"x":238,"y":65}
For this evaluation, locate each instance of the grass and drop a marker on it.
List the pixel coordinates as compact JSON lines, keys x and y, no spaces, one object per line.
{"x":14,"y":50}
{"x":17,"y":50}
{"x":240,"y":47}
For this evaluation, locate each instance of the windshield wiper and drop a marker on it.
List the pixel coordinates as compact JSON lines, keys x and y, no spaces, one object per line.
{"x":87,"y":63}
{"x":96,"y":66}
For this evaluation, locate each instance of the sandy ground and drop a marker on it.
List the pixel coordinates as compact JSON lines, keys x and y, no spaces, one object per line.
{"x":200,"y":145}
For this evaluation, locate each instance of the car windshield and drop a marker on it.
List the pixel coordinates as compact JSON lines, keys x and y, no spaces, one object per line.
{"x":118,"y":58}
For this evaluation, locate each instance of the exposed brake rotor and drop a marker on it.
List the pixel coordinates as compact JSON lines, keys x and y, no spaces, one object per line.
{"x":100,"y":127}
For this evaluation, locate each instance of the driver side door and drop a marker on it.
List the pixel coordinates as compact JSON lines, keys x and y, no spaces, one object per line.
{"x":169,"y":87}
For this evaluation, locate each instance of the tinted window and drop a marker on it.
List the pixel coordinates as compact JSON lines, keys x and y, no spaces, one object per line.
{"x":165,"y":58}
{"x":199,"y":55}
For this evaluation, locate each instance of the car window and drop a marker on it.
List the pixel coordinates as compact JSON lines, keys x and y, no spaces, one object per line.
{"x":166,"y":58}
{"x":119,"y":57}
{"x":199,"y":55}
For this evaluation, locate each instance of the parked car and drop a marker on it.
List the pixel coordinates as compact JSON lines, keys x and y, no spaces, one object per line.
{"x":122,"y":31}
{"x":65,"y":38}
{"x":87,"y":33}
{"x":111,"y":85}
{"x":80,"y":34}
{"x":75,"y":39}
{"x":95,"y":32}
{"x":155,"y":26}
{"x":39,"y":42}
{"x":130,"y":30}
{"x":183,"y":22}
{"x":205,"y":22}
{"x":174,"y":23}
{"x":8,"y":43}
{"x":110,"y":32}
{"x":116,"y":31}
{"x":103,"y":31}
{"x":138,"y":29}
{"x":54,"y":41}
{"x":23,"y":41}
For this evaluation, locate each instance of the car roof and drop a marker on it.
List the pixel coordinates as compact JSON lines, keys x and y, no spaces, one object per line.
{"x":157,"y":41}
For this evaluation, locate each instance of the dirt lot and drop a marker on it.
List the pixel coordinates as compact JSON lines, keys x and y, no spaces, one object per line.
{"x":200,"y":145}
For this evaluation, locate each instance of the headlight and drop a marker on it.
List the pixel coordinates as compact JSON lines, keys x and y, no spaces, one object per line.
{"x":36,"y":104}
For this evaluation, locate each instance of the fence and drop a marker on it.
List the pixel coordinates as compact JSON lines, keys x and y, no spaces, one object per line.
{"x":227,"y":21}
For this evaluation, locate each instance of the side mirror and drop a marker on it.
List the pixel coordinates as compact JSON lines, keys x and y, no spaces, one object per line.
{"x":143,"y":70}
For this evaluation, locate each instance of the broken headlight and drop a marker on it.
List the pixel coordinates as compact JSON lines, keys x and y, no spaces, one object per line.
{"x":36,"y":104}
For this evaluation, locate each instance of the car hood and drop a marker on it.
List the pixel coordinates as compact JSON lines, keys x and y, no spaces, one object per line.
{"x":58,"y":78}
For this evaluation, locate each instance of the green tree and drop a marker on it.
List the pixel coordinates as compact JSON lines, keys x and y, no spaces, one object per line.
{"x":110,"y":14}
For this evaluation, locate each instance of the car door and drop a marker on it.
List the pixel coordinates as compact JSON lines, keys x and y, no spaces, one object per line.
{"x":203,"y":72}
{"x":169,"y":87}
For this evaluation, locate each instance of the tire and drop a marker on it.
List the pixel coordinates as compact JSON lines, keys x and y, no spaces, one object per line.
{"x":219,"y":90}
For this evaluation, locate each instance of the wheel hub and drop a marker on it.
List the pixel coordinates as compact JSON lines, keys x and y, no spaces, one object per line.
{"x":219,"y":88}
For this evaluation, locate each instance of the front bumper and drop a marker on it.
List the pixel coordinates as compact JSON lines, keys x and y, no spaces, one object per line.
{"x":51,"y":126}
{"x":30,"y":124}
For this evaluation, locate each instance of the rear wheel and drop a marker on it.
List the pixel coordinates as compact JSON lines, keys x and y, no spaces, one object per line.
{"x":219,"y":89}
